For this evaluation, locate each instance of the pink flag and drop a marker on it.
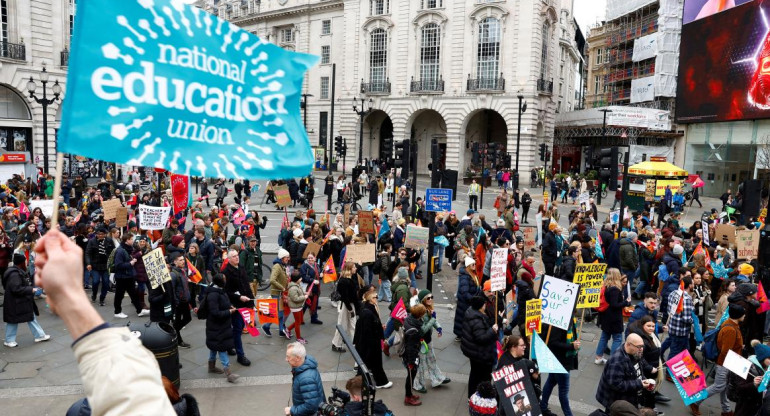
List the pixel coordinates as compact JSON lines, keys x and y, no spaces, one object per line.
{"x":399,"y":312}
{"x":23,"y":210}
{"x":764,"y":304}
{"x":249,"y":320}
{"x":687,"y":373}
{"x":239,"y":216}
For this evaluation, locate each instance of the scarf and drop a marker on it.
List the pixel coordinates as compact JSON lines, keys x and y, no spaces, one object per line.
{"x":571,"y":338}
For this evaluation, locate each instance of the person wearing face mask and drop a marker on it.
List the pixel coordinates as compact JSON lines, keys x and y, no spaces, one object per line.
{"x":625,"y":374}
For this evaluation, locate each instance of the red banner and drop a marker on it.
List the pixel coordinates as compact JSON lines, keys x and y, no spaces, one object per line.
{"x":267,"y":309}
{"x":180,"y":191}
{"x":249,"y":322}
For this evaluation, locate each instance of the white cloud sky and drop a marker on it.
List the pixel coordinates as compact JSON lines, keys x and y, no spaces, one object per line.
{"x":588,"y":12}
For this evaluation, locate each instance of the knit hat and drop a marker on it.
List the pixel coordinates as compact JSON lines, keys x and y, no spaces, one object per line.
{"x":747,"y":289}
{"x":761,"y":350}
{"x":403,"y":273}
{"x":632,"y":235}
{"x":306,"y":233}
{"x":483,"y":401}
{"x":477,"y":302}
{"x":735,"y":311}
{"x":488,"y":286}
{"x":552,"y":226}
{"x":678,"y":250}
{"x":401,"y":221}
{"x":470,"y":212}
{"x":501,"y":222}
{"x":469,"y":261}
{"x":131,"y":224}
{"x":282,"y":253}
{"x":175,"y":240}
{"x":423,"y":293}
{"x":297,"y":232}
{"x":746,"y":269}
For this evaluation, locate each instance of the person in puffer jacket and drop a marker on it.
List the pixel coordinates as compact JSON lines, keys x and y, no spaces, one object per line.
{"x":307,"y":391}
{"x":479,"y":343}
{"x":673,"y":262}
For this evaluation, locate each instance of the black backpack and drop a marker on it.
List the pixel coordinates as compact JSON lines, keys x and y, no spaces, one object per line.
{"x":203,"y":309}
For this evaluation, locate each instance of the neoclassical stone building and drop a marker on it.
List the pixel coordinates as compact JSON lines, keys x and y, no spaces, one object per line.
{"x":445,"y":69}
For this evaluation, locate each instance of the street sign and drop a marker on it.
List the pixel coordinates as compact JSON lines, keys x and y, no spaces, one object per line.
{"x":438,"y":199}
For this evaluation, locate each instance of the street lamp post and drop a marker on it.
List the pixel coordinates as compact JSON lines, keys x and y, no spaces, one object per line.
{"x":45,"y":102}
{"x":362,"y":113}
{"x":522,"y":109}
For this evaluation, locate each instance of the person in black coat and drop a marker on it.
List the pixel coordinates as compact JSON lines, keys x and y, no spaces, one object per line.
{"x":566,"y":351}
{"x":651,"y":353}
{"x":568,"y":264}
{"x":411,"y":356}
{"x":611,"y":320}
{"x":19,"y":305}
{"x":550,"y":250}
{"x":467,"y":288}
{"x":162,"y":303}
{"x":368,"y":338}
{"x":238,"y":289}
{"x":219,"y":329}
{"x":479,"y":343}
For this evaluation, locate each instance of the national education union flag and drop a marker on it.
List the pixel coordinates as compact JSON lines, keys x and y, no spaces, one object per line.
{"x":163,"y":84}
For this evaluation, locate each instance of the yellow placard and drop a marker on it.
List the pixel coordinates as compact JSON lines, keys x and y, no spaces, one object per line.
{"x":590,"y":277}
{"x":534,"y":316}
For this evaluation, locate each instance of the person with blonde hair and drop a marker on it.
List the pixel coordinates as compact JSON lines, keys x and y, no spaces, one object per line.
{"x":611,"y":319}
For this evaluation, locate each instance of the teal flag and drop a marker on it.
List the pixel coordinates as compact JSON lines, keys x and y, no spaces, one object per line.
{"x":545,"y":358}
{"x":162,"y":84}
{"x":384,"y":229}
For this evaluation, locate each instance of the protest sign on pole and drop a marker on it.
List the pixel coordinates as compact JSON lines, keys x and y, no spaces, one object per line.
{"x":590,"y":277}
{"x":153,"y":218}
{"x":311,"y":248}
{"x":267,"y":310}
{"x":689,"y":379}
{"x":558,"y":301}
{"x":110,"y":208}
{"x":533,"y":319}
{"x":724,"y":233}
{"x":497,"y":268}
{"x":183,"y":90}
{"x":515,"y":390}
{"x":529,"y":238}
{"x":649,"y":190}
{"x":282,"y":196}
{"x":360,"y":253}
{"x":180,"y":192}
{"x":121,"y":217}
{"x":747,"y":244}
{"x":416,"y":237}
{"x":546,"y":360}
{"x":157,"y":270}
{"x":366,"y":222}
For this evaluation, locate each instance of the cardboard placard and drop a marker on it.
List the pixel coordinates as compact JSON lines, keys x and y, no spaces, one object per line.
{"x":366,"y":222}
{"x":121,"y":217}
{"x":153,"y":218}
{"x":110,"y":208}
{"x":747,"y":244}
{"x":360,"y":253}
{"x":346,"y":214}
{"x":282,"y":195}
{"x":558,"y":301}
{"x":497,"y":268}
{"x":529,"y":238}
{"x":534,"y":316}
{"x":725,"y":233}
{"x":590,"y":277}
{"x":157,"y":270}
{"x":514,"y":387}
{"x":416,"y":237}
{"x":311,"y":248}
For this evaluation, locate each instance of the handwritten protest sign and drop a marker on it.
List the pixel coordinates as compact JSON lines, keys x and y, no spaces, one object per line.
{"x":534,"y":316}
{"x":529,"y":238}
{"x":121,"y":217}
{"x":157,"y":270}
{"x":416,"y":237}
{"x":590,"y":277}
{"x":45,"y":205}
{"x":366,"y":222}
{"x":282,"y":196}
{"x":267,"y":311}
{"x":153,"y":218}
{"x":497,"y":268}
{"x":688,"y":377}
{"x":515,"y":389}
{"x":360,"y":253}
{"x":558,"y":301}
{"x":747,"y":244}
{"x":110,"y":208}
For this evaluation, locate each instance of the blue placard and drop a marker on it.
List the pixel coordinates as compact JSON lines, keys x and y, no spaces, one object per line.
{"x":163,"y":84}
{"x":438,"y":199}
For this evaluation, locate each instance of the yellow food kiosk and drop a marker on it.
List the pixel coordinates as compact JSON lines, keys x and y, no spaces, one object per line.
{"x":647,"y":182}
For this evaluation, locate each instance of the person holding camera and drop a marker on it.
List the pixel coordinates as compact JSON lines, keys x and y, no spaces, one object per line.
{"x":355,"y":406}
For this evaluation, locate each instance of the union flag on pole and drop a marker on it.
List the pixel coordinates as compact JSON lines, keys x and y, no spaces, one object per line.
{"x":330,"y":272}
{"x":193,"y":274}
{"x":680,"y":304}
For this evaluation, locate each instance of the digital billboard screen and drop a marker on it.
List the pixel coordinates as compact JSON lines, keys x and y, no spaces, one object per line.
{"x":698,"y":9}
{"x":724,"y":65}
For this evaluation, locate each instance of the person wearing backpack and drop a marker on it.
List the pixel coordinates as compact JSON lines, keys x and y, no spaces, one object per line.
{"x":728,"y":339}
{"x":217,"y":310}
{"x":743,"y":392}
{"x":381,"y":267}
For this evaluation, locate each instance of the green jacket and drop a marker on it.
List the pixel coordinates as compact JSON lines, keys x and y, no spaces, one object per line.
{"x":247,"y":261}
{"x":278,"y":280}
{"x":400,"y":290}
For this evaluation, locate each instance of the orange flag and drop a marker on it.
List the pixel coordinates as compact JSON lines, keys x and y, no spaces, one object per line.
{"x":330,"y":272}
{"x":680,"y":305}
{"x":192,"y":273}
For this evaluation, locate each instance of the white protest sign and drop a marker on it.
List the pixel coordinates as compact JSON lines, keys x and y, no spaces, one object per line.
{"x":157,"y":271}
{"x":583,"y":198}
{"x":497,"y":268}
{"x":614,"y":216}
{"x":559,"y":298}
{"x":45,"y":205}
{"x":737,"y":364}
{"x":153,"y":218}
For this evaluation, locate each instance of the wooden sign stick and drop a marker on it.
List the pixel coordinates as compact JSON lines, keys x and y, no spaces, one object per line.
{"x":548,"y":336}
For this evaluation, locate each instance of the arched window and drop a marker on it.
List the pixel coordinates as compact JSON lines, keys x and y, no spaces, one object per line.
{"x":488,"y":56}
{"x":544,"y":52}
{"x":430,"y":54}
{"x":378,"y":57}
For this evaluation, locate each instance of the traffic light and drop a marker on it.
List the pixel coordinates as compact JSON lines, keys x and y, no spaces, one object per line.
{"x":516,"y":179}
{"x":338,"y":145}
{"x":547,"y":155}
{"x":614,"y":168}
{"x":608,"y":164}
{"x":403,"y":157}
{"x":507,"y":160}
{"x":387,"y":147}
{"x":434,"y":151}
{"x":492,"y":154}
{"x":542,"y":152}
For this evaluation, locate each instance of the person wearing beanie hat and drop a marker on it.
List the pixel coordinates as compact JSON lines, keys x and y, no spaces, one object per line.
{"x":279,"y":282}
{"x":479,"y":343}
{"x":484,"y":401}
{"x":745,"y":270}
{"x":728,"y":339}
{"x":19,"y":305}
{"x":751,"y":400}
{"x":428,"y":369}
